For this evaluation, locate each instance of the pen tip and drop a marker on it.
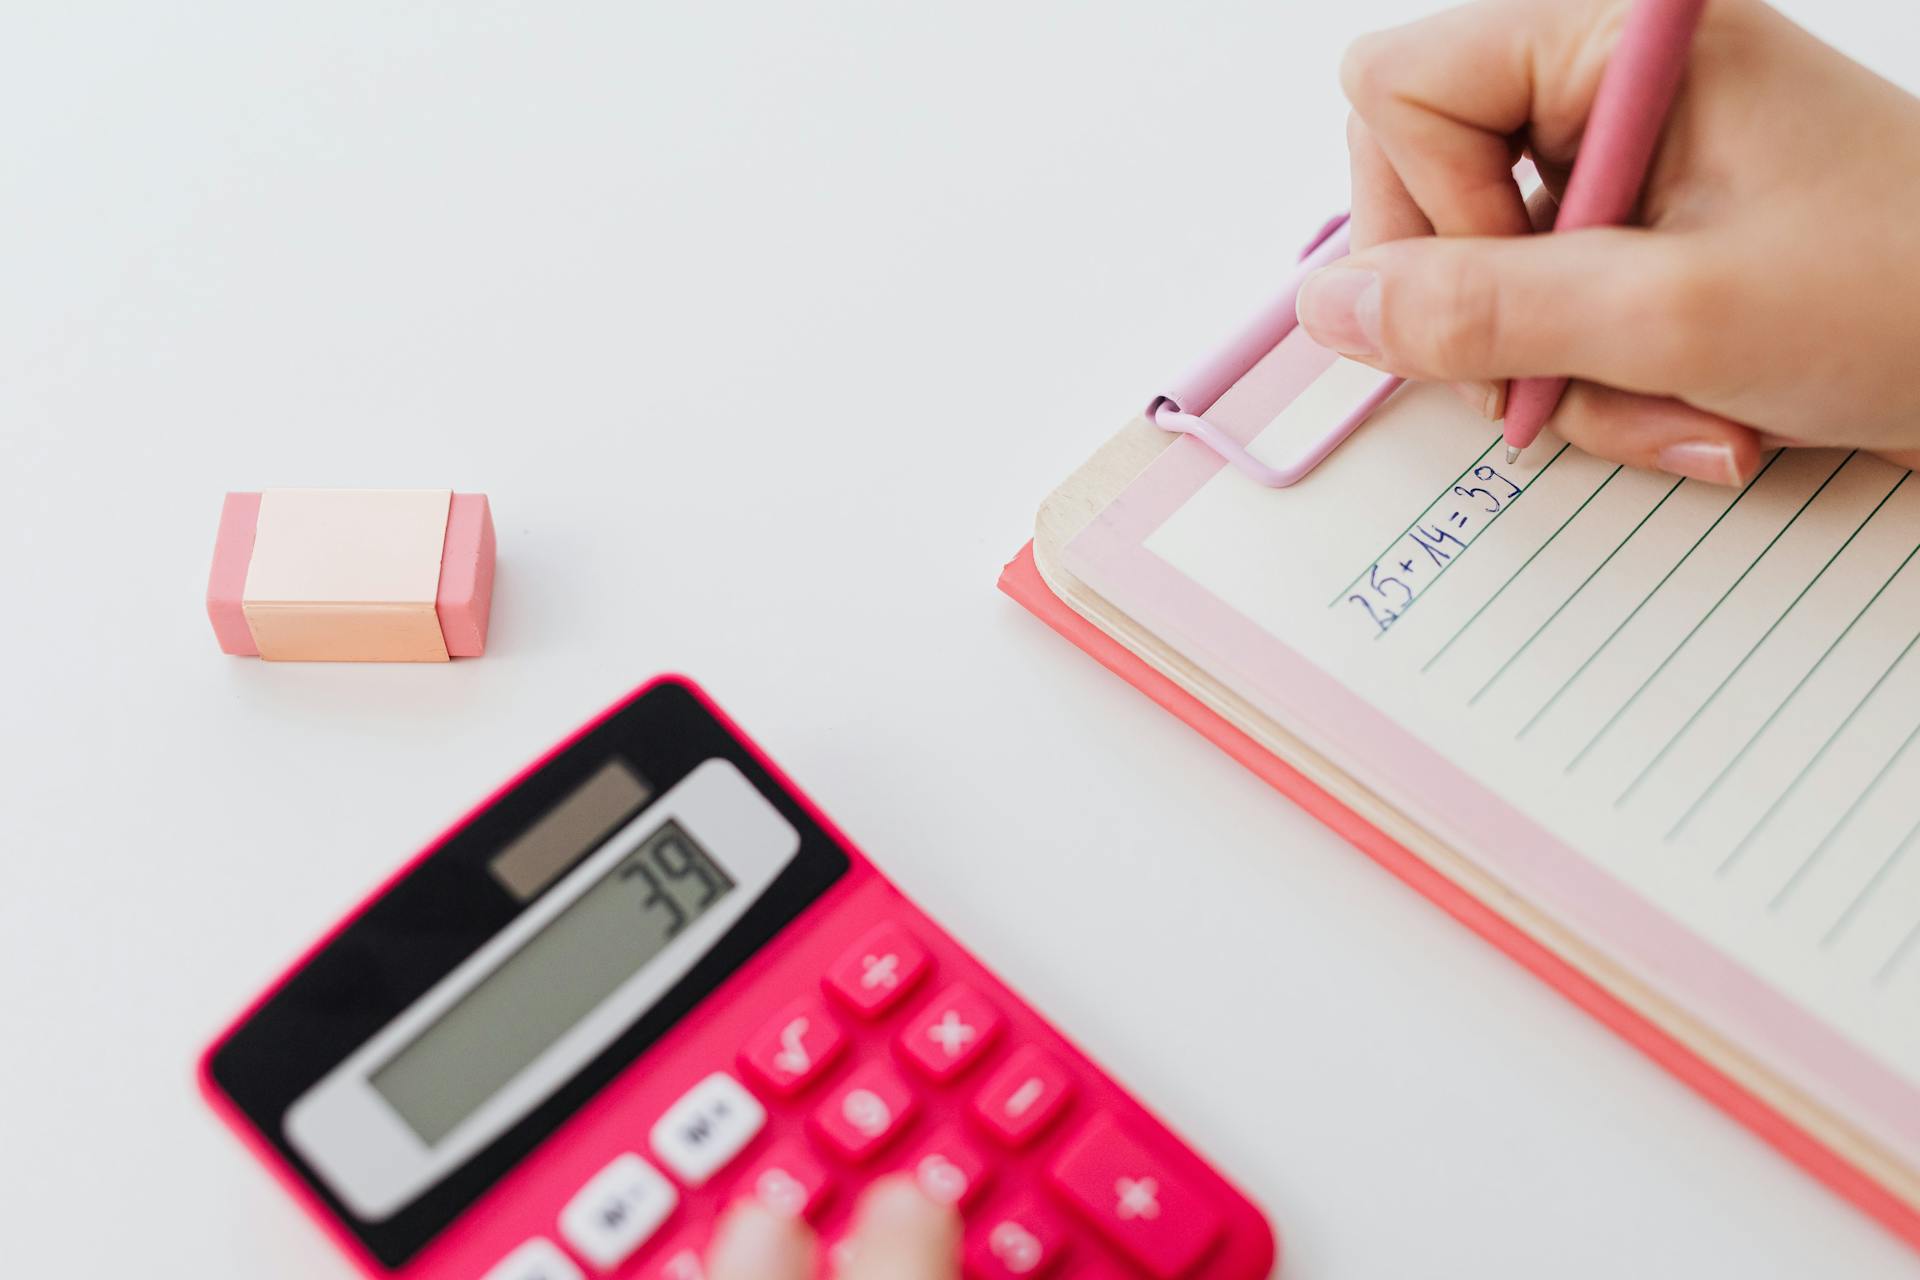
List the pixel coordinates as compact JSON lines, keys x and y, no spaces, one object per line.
{"x":1513,"y":454}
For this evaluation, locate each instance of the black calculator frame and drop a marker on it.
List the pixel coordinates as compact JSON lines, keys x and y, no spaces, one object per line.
{"x":446,"y":905}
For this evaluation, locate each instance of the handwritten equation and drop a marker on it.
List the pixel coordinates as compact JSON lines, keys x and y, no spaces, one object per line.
{"x":1414,"y":561}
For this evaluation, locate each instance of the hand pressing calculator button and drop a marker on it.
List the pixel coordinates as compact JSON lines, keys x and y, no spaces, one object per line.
{"x":650,"y":942}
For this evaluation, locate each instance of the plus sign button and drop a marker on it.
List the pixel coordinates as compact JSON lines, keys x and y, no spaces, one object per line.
{"x":878,"y":971}
{"x":1135,"y":1201}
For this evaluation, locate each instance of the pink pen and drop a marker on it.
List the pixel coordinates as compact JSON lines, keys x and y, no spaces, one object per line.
{"x":1636,"y":92}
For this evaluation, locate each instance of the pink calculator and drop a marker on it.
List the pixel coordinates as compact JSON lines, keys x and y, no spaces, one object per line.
{"x":648,"y":977}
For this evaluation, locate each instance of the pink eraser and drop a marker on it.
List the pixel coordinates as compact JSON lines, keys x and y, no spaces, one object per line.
{"x":353,"y":575}
{"x":226,"y":586}
{"x":466,"y":576}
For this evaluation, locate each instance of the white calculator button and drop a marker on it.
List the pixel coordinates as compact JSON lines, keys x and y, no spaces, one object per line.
{"x":617,"y":1211}
{"x":709,"y":1126}
{"x":537,"y":1259}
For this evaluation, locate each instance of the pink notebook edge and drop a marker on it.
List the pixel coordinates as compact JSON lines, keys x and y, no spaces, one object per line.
{"x":1020,"y":579}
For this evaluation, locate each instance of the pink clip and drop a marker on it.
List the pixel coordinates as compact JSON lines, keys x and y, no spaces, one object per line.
{"x":1183,"y":409}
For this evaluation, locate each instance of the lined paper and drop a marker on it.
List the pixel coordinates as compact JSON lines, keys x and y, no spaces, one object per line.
{"x":1712,"y":693}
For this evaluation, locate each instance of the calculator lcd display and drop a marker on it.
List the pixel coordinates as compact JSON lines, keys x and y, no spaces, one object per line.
{"x":557,"y":977}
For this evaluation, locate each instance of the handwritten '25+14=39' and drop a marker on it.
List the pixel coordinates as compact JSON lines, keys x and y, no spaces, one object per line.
{"x":1421,"y":554}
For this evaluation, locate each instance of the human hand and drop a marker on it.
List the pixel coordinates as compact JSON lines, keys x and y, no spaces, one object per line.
{"x":898,"y":1234}
{"x":1769,"y":294}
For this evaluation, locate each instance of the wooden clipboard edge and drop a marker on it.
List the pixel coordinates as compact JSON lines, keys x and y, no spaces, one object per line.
{"x":1836,"y":1153}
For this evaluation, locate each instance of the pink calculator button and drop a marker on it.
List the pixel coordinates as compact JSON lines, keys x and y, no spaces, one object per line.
{"x":1098,"y":1271}
{"x":951,"y":1033}
{"x":948,"y":1168}
{"x":789,"y":1181}
{"x":793,"y":1050}
{"x":865,"y":1113}
{"x":684,"y":1259}
{"x":878,"y":971}
{"x":1016,"y":1242}
{"x":1023,"y":1097}
{"x":1125,"y":1191}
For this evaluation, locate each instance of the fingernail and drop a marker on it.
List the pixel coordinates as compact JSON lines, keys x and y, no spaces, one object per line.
{"x":1340,"y":308}
{"x":1708,"y":460}
{"x":1488,"y":399}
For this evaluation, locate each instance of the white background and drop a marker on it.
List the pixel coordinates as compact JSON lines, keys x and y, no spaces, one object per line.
{"x":766,"y":327}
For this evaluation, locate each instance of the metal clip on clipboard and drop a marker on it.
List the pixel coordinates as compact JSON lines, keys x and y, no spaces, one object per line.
{"x":1185,"y":407}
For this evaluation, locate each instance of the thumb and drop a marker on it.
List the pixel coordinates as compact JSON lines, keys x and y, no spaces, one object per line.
{"x":1608,"y":305}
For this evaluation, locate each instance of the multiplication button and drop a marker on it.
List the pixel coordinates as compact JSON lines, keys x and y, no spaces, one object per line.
{"x":951,"y":1033}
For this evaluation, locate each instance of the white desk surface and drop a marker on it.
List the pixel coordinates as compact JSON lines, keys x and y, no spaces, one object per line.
{"x":766,"y":328}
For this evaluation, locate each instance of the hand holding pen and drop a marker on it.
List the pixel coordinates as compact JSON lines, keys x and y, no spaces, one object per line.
{"x":1767,"y":290}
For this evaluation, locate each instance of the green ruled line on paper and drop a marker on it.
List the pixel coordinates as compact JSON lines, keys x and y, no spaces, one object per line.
{"x":1618,"y":547}
{"x":1786,"y":794}
{"x":1867,"y":890}
{"x":1885,"y":971}
{"x":1820,"y":850}
{"x":1523,"y":565}
{"x":1792,"y":693}
{"x":1337,"y":599}
{"x":1483,"y":528}
{"x":1582,"y":668}
{"x":1634,"y":697}
{"x":1755,"y":647}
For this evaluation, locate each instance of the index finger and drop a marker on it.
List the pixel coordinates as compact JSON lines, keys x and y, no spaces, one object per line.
{"x":754,"y":1243}
{"x":1382,"y":208}
{"x":902,"y":1235}
{"x":1450,"y":99}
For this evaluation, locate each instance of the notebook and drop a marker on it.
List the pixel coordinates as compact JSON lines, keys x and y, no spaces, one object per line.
{"x":1655,"y":738}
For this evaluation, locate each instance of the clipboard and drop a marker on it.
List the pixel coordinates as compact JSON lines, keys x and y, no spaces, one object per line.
{"x":1839,"y":1155}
